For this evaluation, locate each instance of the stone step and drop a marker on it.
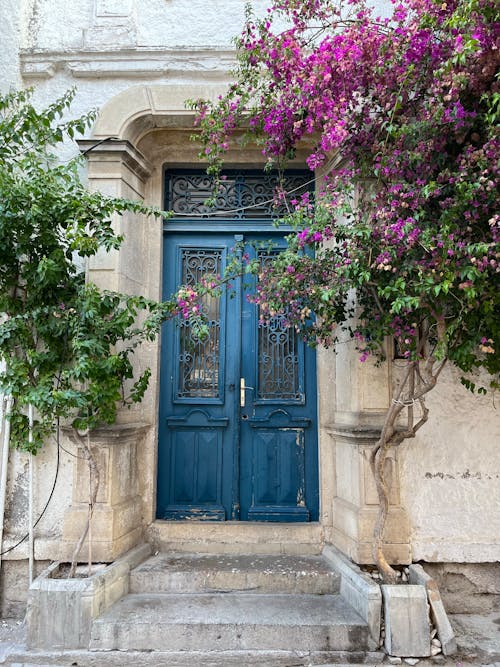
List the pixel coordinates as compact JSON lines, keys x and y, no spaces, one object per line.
{"x":229,"y":622}
{"x":237,"y":537}
{"x":193,"y":573}
{"x":206,"y":659}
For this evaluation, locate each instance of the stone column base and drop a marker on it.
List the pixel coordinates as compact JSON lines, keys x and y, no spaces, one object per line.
{"x":117,"y":521}
{"x":355,"y":505}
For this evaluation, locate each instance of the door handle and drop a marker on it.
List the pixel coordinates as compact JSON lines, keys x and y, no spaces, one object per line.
{"x":243,"y":389}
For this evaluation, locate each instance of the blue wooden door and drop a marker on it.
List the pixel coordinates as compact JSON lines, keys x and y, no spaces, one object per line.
{"x":278,"y":450}
{"x":237,"y":423}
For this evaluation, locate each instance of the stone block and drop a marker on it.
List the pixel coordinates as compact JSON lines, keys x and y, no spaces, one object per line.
{"x":221,"y":622}
{"x":438,"y":613}
{"x":117,"y":516}
{"x":108,"y":523}
{"x":115,"y":451}
{"x":353,"y":532}
{"x":391,"y":474}
{"x":103,"y":551}
{"x":406,"y":620}
{"x":398,"y":554}
{"x":257,"y":574}
{"x":237,"y":537}
{"x":358,"y":590}
{"x":60,"y":611}
{"x":358,"y":522}
{"x":355,"y":506}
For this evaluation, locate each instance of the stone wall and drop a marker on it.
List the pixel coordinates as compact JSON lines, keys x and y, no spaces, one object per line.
{"x":468,"y":588}
{"x":450,"y":477}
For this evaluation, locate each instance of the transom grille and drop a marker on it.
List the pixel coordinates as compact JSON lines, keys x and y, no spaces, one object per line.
{"x":240,"y":195}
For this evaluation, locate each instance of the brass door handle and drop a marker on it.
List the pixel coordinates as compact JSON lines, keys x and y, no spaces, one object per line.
{"x":243,"y":389}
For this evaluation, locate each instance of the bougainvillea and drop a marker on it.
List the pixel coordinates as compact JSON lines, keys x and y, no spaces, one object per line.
{"x":398,"y":114}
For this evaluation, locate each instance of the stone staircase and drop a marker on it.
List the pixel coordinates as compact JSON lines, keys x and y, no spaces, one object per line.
{"x":225,"y":609}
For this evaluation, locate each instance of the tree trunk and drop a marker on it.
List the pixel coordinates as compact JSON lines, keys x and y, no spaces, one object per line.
{"x":420,"y":378}
{"x":93,"y":490}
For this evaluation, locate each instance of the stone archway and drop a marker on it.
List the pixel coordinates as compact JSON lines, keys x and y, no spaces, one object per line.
{"x":137,"y":133}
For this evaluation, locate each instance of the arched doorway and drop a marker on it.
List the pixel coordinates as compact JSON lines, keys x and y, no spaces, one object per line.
{"x":238,"y":418}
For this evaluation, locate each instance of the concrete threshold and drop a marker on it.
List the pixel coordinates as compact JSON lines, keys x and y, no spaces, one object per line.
{"x":241,"y":537}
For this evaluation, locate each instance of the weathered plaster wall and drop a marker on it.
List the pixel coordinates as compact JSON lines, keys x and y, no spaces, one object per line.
{"x":195,"y":23}
{"x":450,"y":477}
{"x":10,"y":35}
{"x":112,"y":24}
{"x":54,"y":24}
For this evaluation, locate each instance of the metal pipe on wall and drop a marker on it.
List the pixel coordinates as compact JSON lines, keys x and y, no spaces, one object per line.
{"x":31,"y":539}
{"x":6,"y":408}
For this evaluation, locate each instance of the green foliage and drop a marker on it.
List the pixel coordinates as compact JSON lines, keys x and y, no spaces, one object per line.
{"x":67,"y":345}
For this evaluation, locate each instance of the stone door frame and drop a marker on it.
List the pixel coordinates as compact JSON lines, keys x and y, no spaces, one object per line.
{"x":137,"y":133}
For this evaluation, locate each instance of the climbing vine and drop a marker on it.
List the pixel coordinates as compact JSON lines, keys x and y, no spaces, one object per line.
{"x":66,"y":344}
{"x":401,"y":113}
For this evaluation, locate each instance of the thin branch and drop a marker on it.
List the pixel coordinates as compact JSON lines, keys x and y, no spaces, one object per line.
{"x":94,"y":474}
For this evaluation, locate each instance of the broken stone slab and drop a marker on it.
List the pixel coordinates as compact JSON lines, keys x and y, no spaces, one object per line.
{"x":60,"y":611}
{"x":438,"y":613}
{"x":406,"y":614}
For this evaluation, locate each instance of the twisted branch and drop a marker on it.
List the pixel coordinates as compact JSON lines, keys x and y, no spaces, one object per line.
{"x":417,"y":382}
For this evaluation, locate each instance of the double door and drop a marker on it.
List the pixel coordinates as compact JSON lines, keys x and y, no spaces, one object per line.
{"x":237,"y":423}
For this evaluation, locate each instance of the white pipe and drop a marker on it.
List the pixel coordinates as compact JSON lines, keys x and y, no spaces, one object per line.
{"x":31,"y":541}
{"x":6,"y":408}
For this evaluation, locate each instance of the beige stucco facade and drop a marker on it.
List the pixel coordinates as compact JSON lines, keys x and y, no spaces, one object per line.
{"x":139,"y":62}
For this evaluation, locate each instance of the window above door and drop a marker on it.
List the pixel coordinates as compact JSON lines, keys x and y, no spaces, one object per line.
{"x":245,"y":199}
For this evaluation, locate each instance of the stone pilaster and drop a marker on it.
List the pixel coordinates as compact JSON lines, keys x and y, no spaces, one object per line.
{"x":355,"y":505}
{"x":117,"y":518}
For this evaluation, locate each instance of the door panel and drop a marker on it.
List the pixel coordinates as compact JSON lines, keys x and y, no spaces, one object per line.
{"x":230,"y":450}
{"x":278,"y":475}
{"x":195,"y":462}
{"x":197,"y":407}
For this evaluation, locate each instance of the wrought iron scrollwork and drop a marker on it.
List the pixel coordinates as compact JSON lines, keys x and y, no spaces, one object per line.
{"x":241,"y":195}
{"x":199,"y":364}
{"x":278,"y":359}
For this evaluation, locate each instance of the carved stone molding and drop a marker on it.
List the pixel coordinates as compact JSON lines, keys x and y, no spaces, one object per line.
{"x":204,"y":63}
{"x":111,"y":150}
{"x":358,"y":434}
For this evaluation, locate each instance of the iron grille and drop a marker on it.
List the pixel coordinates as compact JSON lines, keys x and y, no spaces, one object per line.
{"x":199,"y":359}
{"x":240,"y":195}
